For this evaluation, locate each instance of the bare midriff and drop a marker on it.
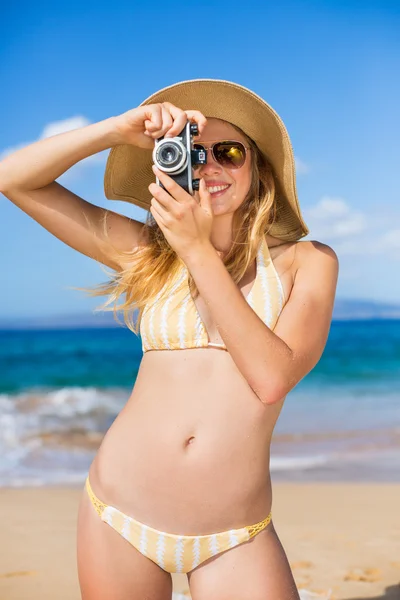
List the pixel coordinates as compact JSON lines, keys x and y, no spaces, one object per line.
{"x":189,"y":452}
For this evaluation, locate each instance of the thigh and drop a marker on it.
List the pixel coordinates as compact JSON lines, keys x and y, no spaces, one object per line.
{"x":110,"y":568}
{"x":255,"y":570}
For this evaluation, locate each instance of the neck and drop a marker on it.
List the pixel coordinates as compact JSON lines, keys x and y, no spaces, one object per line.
{"x":221,"y":235}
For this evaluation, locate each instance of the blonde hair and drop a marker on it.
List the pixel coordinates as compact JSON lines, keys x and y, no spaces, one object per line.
{"x":147,"y":270}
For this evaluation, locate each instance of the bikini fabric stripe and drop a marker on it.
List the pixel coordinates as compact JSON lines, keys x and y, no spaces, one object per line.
{"x":173,"y":553}
{"x":173,"y":322}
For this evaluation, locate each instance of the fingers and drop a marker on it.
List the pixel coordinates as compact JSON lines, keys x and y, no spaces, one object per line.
{"x":167,"y":120}
{"x":153,"y":118}
{"x":172,"y":190}
{"x":195,"y":116}
{"x":160,"y":121}
{"x":180,"y":119}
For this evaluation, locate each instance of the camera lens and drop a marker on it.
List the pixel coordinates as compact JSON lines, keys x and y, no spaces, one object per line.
{"x":168,"y":155}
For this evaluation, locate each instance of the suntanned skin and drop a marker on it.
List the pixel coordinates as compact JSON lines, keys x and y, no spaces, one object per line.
{"x":189,"y":452}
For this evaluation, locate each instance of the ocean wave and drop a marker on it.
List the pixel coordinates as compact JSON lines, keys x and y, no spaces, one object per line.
{"x":50,"y":437}
{"x":290,"y":463}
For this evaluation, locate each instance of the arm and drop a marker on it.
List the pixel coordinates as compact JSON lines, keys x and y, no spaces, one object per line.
{"x":272,"y":362}
{"x":27,"y":179}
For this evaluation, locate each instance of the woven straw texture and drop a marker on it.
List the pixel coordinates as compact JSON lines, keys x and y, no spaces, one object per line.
{"x":128,"y":171}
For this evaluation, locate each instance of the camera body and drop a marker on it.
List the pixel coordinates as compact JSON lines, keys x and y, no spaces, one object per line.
{"x":176,"y":157}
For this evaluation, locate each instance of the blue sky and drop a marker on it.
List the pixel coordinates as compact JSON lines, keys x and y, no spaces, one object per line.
{"x":330,"y":69}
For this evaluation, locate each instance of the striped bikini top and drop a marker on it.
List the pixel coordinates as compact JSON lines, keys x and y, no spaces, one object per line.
{"x":172,"y":322}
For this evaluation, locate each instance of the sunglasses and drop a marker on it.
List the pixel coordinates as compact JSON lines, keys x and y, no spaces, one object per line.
{"x":230,"y":154}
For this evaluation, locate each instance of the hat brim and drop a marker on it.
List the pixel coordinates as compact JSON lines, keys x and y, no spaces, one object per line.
{"x":128,"y":171}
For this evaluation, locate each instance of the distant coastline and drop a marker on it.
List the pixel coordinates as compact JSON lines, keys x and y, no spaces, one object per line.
{"x":344,"y":310}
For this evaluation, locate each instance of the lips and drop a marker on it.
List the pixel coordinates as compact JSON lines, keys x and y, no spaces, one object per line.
{"x":219,"y":193}
{"x":215,"y":182}
{"x":216,"y":188}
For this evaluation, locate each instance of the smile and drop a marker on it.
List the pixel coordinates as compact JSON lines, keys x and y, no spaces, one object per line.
{"x":217,"y":190}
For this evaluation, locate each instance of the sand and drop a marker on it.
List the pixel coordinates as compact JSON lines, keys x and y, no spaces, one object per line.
{"x":339,"y":537}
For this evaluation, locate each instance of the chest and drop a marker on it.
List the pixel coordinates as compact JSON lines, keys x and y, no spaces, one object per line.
{"x":211,"y":327}
{"x":176,"y":320}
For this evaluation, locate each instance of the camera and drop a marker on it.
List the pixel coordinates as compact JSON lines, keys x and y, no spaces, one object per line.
{"x":176,"y":157}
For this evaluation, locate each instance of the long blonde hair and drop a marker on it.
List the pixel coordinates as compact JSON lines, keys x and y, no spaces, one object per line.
{"x":148,"y":269}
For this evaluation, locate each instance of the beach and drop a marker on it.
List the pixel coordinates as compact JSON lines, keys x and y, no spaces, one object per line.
{"x":339,"y":538}
{"x":334,"y":465}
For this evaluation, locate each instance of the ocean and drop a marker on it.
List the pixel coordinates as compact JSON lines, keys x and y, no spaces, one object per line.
{"x":60,"y":391}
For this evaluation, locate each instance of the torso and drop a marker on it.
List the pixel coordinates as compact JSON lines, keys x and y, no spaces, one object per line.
{"x":189,"y":452}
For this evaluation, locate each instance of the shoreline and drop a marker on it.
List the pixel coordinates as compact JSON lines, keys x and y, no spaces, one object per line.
{"x":343,"y":537}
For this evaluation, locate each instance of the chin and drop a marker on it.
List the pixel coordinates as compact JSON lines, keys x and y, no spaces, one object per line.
{"x":219,"y":211}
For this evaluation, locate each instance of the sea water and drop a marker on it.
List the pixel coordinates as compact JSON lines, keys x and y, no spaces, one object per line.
{"x":60,"y":391}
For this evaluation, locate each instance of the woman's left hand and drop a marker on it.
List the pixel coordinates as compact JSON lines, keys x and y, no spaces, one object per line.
{"x":185,"y":222}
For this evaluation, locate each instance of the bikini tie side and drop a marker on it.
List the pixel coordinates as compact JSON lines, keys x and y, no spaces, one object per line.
{"x":98,"y":505}
{"x":254,"y":529}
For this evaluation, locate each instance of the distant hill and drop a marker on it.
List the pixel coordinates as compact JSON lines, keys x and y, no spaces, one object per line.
{"x":344,"y":310}
{"x":364,"y":309}
{"x":82,"y":320}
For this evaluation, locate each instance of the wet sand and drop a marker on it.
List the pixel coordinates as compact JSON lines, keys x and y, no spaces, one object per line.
{"x":339,"y":537}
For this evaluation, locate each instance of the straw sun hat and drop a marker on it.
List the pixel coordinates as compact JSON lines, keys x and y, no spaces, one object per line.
{"x":128,"y":171}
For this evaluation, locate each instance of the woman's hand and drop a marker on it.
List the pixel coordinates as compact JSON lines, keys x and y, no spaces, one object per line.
{"x":142,"y":125}
{"x":185,"y":221}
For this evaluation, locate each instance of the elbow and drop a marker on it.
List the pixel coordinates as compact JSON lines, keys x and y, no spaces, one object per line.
{"x":274,"y":392}
{"x":3,"y":186}
{"x":4,"y":177}
{"x":268,"y":400}
{"x":5,"y":191}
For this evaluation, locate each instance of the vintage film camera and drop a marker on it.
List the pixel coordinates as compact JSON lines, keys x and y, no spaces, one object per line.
{"x":176,"y":157}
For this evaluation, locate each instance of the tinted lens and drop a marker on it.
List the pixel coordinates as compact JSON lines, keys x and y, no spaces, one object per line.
{"x":231,"y":155}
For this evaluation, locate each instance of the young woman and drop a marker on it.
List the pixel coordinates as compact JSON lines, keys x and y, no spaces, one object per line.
{"x":234,"y":311}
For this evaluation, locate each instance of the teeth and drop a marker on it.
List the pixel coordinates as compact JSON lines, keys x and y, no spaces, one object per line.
{"x":217,"y":188}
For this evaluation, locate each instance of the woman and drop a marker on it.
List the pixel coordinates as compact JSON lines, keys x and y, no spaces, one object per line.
{"x":181,"y":481}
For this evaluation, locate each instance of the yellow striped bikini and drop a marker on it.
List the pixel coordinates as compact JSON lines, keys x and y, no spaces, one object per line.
{"x":173,"y":553}
{"x":173,"y":322}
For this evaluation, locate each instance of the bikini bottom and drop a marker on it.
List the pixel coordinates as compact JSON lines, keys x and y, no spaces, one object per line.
{"x":173,"y":553}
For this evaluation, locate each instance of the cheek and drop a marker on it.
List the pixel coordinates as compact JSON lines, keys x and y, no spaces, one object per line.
{"x":242,"y":186}
{"x":244,"y":180}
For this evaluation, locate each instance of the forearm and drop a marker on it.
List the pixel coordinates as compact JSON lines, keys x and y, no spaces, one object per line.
{"x":39,"y":164}
{"x":260,"y":355}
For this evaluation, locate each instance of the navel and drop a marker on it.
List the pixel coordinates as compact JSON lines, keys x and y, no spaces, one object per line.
{"x":189,"y":440}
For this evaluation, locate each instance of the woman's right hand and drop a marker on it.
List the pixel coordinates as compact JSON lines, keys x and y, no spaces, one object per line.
{"x":142,"y":125}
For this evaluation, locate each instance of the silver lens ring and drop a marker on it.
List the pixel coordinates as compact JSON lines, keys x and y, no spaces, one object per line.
{"x":177,"y":147}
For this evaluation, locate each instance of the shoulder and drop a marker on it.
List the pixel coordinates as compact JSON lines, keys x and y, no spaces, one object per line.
{"x":314,"y":251}
{"x":316,"y":263}
{"x":301,"y":252}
